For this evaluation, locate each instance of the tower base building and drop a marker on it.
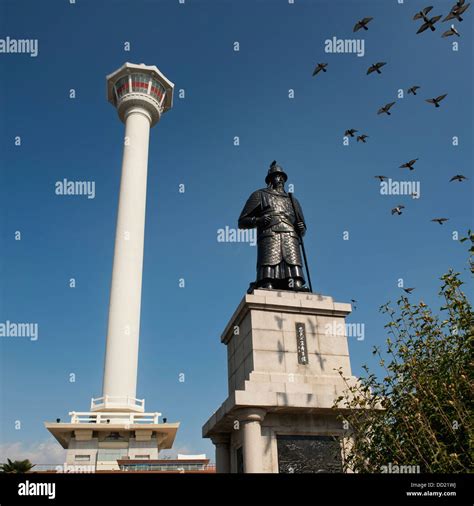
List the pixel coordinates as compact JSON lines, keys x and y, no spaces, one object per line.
{"x":99,"y":439}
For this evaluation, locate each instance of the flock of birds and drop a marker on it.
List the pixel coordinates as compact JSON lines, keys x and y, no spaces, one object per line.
{"x":455,"y":13}
{"x":360,"y":138}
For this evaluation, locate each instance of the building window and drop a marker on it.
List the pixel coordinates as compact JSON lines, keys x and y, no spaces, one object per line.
{"x":142,"y":457}
{"x":140,"y":83}
{"x":122,"y":86}
{"x":111,"y":455}
{"x":157,"y":90}
{"x":82,"y":458}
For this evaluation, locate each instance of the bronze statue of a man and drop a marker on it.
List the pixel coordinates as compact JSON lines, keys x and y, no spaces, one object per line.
{"x":280,"y":223}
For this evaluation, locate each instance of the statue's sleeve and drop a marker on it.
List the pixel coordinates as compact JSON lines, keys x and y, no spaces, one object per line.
{"x":248,"y":216}
{"x":300,"y":215}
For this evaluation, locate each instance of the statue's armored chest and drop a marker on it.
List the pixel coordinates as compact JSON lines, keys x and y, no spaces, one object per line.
{"x":278,"y":203}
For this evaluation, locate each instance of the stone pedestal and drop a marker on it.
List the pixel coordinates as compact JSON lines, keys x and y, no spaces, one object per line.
{"x":283,"y":351}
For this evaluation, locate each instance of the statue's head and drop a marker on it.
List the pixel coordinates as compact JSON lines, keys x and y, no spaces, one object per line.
{"x":276,"y":176}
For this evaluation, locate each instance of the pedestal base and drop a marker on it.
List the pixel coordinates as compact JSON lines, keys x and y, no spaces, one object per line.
{"x":284,"y":350}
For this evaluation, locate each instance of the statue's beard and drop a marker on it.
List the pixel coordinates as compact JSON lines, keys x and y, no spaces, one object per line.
{"x":279,"y":187}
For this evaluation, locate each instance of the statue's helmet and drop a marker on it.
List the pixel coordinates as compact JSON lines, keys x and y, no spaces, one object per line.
{"x":275,"y":169}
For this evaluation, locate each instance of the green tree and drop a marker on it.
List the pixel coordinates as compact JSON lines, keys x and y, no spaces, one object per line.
{"x":17,"y":466}
{"x":420,"y":412}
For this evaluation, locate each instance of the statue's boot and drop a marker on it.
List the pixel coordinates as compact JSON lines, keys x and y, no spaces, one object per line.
{"x":299,"y":286}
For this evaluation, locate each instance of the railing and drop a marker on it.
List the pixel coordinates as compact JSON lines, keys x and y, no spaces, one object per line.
{"x":134,"y":468}
{"x":113,"y":417}
{"x":78,"y":468}
{"x":111,"y":401}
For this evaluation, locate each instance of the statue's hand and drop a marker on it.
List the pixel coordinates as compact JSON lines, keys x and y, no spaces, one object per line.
{"x":264,"y":220}
{"x":300,"y":227}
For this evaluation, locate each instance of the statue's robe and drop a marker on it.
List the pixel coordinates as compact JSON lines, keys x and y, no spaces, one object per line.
{"x":279,"y":255}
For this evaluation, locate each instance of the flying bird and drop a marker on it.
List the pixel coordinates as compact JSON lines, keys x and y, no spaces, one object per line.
{"x":350,"y":132}
{"x":319,"y":67}
{"x":422,"y":14}
{"x":458,"y":177}
{"x":409,"y":165}
{"x":362,"y":138}
{"x":381,"y":178}
{"x":436,"y":100}
{"x":440,"y":220}
{"x":362,"y":24}
{"x":429,"y":23}
{"x":354,"y":302}
{"x":456,"y":11}
{"x":451,"y":31}
{"x":386,"y":108}
{"x":413,"y":89}
{"x":398,"y":210}
{"x":408,"y":290}
{"x":376,"y":67}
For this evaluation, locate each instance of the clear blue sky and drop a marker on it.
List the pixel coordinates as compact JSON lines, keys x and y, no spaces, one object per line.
{"x":228,"y":94}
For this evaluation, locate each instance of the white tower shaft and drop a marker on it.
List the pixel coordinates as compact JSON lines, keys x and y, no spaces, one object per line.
{"x":141,"y":94}
{"x":121,"y":358}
